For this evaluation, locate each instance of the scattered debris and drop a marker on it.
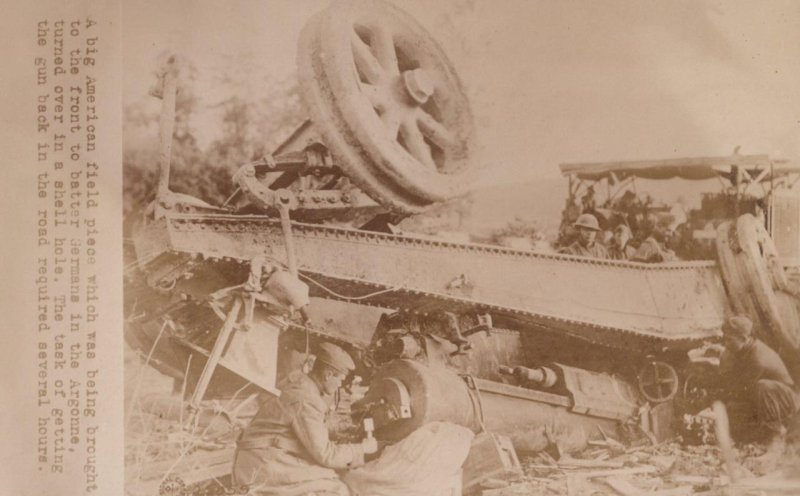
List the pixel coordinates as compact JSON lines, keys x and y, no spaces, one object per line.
{"x":666,"y":469}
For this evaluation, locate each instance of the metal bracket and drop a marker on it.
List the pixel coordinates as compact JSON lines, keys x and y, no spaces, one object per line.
{"x":459,"y":336}
{"x":215,"y":356}
{"x":311,"y":202}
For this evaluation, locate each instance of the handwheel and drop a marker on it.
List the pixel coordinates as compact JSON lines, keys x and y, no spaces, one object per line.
{"x":388,"y":104}
{"x":658,"y":381}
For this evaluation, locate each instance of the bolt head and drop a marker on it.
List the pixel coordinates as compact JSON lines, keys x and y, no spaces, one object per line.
{"x":418,"y":85}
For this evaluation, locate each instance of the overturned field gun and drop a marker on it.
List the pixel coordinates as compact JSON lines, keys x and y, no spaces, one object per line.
{"x":542,"y":348}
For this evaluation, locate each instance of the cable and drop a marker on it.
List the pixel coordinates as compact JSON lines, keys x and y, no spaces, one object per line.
{"x":348,"y":298}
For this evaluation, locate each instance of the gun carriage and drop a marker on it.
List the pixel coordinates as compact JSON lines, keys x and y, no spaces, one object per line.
{"x":230,"y":297}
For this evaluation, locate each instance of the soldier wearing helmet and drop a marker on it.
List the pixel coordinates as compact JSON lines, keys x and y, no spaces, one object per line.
{"x":286,"y":449}
{"x":754,"y":383}
{"x":586,"y":245}
{"x":761,"y":393}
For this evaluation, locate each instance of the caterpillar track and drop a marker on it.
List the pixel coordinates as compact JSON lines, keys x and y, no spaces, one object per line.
{"x":618,"y":304}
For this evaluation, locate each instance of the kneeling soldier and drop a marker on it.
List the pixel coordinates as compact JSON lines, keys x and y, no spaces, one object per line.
{"x":286,"y":449}
{"x":760,"y":393}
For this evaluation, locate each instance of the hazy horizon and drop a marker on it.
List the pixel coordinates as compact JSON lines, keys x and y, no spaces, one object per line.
{"x":549,"y":82}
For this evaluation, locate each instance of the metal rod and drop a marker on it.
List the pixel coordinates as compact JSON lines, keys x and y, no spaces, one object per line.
{"x":167,"y":125}
{"x":216,"y":354}
{"x":770,"y":208}
{"x":286,"y":226}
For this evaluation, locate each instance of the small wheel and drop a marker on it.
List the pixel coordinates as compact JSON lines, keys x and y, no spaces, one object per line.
{"x":658,"y":381}
{"x":388,"y":104}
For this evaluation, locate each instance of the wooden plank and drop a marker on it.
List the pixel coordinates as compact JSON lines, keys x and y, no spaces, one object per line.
{"x":569,"y":462}
{"x":646,"y":469}
{"x":675,"y":491}
{"x":622,"y":486}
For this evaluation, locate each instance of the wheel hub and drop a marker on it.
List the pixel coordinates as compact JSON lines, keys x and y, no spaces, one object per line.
{"x":418,"y":85}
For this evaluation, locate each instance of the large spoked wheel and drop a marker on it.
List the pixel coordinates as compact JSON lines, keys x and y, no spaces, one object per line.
{"x":388,"y":104}
{"x":754,"y":276}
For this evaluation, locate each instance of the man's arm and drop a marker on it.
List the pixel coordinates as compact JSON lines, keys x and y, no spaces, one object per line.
{"x":309,"y":426}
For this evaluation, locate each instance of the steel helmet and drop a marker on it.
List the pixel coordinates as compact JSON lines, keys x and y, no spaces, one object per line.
{"x":738,"y":325}
{"x":588,"y":221}
{"x":335,"y":357}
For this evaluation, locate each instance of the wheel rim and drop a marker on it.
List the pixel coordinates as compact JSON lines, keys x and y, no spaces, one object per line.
{"x":386,"y":99}
{"x":766,"y":276}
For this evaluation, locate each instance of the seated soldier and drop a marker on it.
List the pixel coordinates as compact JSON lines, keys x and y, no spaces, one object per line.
{"x":621,"y":248}
{"x":758,"y":391}
{"x":653,"y":249}
{"x":286,"y":449}
{"x":586,"y":245}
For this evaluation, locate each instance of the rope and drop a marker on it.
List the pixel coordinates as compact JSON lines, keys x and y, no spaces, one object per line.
{"x":348,"y":298}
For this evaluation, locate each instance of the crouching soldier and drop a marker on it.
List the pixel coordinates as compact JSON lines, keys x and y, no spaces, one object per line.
{"x":758,"y":391}
{"x":285,"y":450}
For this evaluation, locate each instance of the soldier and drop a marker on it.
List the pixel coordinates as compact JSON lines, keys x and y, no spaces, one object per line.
{"x":653,"y":248}
{"x":586,"y":245}
{"x":286,"y":449}
{"x":758,"y":390}
{"x":620,"y":247}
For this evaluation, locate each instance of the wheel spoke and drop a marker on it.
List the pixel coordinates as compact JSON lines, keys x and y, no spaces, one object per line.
{"x":374,"y":94}
{"x":392,"y":122}
{"x":415,"y":143}
{"x":383,"y":42}
{"x":365,"y":61}
{"x":435,"y":131}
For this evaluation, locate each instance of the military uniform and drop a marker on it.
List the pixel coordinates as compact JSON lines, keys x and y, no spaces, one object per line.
{"x":595,"y":250}
{"x":651,"y":251}
{"x":285,"y":450}
{"x":616,"y":253}
{"x":760,"y":390}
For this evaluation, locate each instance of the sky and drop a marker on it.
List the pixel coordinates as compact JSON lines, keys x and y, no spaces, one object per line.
{"x":548,"y":81}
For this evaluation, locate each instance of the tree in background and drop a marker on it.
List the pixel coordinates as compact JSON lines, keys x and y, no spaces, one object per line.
{"x":243,"y":126}
{"x":518,"y":233}
{"x":245,"y":118}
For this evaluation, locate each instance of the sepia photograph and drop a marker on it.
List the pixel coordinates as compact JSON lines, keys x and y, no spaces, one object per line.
{"x":467,"y":247}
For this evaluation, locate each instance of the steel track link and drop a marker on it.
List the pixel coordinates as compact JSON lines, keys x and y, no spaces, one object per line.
{"x":238,"y":223}
{"x":343,"y":288}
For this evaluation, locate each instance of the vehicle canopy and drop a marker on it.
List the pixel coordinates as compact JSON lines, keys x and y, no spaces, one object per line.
{"x":737,"y":169}
{"x":754,"y":184}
